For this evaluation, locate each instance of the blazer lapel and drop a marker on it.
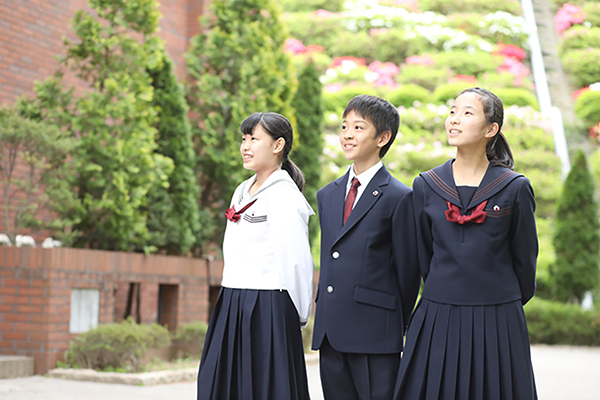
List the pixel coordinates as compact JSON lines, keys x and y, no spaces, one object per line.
{"x":496,"y":178}
{"x":370,"y":196}
{"x":336,"y":202}
{"x":441,"y":181}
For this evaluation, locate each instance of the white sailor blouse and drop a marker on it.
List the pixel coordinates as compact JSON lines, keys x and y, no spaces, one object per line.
{"x":266,"y":241}
{"x":484,"y":254}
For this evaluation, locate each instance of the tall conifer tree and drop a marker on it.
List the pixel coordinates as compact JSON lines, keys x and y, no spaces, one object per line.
{"x":308,"y":103}
{"x":239,"y":68}
{"x":577,"y":237}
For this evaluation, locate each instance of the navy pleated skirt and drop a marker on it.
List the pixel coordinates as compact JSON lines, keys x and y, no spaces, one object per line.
{"x":466,"y":353}
{"x":253,"y":348}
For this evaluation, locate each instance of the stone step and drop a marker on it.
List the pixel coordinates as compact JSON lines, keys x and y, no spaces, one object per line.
{"x":16,"y":366}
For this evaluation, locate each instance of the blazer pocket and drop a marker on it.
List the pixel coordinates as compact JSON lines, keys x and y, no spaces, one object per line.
{"x":375,"y":298}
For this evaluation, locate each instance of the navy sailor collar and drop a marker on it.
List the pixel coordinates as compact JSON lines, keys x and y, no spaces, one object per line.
{"x":441,"y":181}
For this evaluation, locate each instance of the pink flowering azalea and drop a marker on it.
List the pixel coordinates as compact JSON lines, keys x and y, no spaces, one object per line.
{"x":515,"y":68}
{"x":579,"y":92}
{"x":322,"y":13}
{"x":420,"y":60}
{"x":339,"y":60}
{"x":386,"y":68}
{"x":314,"y":48}
{"x":293,"y":46}
{"x":412,"y":5}
{"x":333,"y":87}
{"x":595,"y":131}
{"x":377,"y":31}
{"x":463,"y":78}
{"x":567,"y":16}
{"x":509,"y":50}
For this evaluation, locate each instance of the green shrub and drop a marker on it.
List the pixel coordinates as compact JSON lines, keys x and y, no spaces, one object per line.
{"x":518,"y":97}
{"x":587,"y":107}
{"x":311,"y":5}
{"x":116,"y":345}
{"x":427,"y":77}
{"x":463,"y":62}
{"x":449,"y":91}
{"x":580,"y":37}
{"x":592,"y":12}
{"x":188,"y":339}
{"x":583,"y":66}
{"x":352,"y":44}
{"x":336,"y":102}
{"x":314,"y":30}
{"x":475,"y":6}
{"x":407,"y":94}
{"x":551,"y":322}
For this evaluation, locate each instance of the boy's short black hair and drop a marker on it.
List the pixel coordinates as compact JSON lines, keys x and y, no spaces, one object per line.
{"x":380,"y":112}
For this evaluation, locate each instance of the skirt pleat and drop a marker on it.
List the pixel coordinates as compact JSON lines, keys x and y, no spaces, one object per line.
{"x":466,"y":353}
{"x":253,"y":348}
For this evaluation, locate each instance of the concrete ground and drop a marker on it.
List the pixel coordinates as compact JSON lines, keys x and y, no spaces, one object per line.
{"x":562,"y":373}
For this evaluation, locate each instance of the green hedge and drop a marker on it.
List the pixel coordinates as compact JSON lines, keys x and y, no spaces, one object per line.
{"x":580,"y":37}
{"x":476,"y":6}
{"x":188,"y":339}
{"x":406,"y":95}
{"x":116,"y":345}
{"x":587,"y":107}
{"x":336,"y":102}
{"x":583,"y":66}
{"x":557,"y":323}
{"x":449,"y":91}
{"x":592,"y":12}
{"x":463,"y":62}
{"x":517,"y":97}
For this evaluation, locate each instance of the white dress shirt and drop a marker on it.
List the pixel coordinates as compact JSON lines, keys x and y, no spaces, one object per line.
{"x":268,"y":248}
{"x":363,"y":178}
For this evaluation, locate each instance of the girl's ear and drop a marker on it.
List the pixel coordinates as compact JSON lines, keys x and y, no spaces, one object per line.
{"x":278,"y":145}
{"x":492,"y":130}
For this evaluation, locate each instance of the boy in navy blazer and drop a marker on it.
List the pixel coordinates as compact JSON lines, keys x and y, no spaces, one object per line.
{"x":369,"y":276}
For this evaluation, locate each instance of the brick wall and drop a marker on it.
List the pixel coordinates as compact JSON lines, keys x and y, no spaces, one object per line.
{"x":36,"y":285}
{"x":31,"y":34}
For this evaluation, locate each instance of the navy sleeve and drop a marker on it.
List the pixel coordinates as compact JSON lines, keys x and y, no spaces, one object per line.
{"x":524,"y":242}
{"x":405,"y":254}
{"x":423,"y":228}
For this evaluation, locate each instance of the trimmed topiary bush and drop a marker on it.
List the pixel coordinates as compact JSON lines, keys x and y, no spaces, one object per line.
{"x":116,"y":345}
{"x":407,"y":94}
{"x":336,"y":102}
{"x":463,"y":62}
{"x":517,"y":97}
{"x":427,"y":77}
{"x":580,"y":37}
{"x":551,"y":322}
{"x":582,"y":65}
{"x":476,"y":6}
{"x":449,"y":91}
{"x":587,"y":106}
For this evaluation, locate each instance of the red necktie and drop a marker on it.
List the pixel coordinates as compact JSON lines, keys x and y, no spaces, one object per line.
{"x":477,"y":215}
{"x":350,"y":198}
{"x":233,"y":215}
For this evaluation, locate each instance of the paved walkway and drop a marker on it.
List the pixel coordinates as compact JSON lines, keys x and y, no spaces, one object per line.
{"x":562,"y":373}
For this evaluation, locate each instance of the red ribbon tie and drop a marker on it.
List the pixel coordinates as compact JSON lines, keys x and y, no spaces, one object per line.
{"x":233,"y":215}
{"x":477,"y":216}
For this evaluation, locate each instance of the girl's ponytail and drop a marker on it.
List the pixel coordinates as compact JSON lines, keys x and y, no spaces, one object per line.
{"x":294,"y":172}
{"x":498,"y":152}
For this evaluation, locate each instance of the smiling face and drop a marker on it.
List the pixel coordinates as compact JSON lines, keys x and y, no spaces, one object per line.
{"x":259,"y":151}
{"x":466,"y":125}
{"x":359,"y":142}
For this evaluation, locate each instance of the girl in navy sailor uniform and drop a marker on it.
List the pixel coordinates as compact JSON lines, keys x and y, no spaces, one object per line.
{"x":253,"y":348}
{"x":477,"y":243}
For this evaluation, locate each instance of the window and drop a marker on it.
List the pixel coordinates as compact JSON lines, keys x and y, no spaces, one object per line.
{"x":85,"y":304}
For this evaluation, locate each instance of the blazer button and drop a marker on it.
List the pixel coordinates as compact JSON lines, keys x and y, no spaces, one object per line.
{"x":329,"y":289}
{"x":335,"y":255}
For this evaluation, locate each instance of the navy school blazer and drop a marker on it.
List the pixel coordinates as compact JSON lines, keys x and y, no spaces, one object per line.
{"x":369,"y":277}
{"x":491,"y":262}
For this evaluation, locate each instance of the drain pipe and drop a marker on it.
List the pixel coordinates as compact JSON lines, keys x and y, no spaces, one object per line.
{"x":541,"y":85}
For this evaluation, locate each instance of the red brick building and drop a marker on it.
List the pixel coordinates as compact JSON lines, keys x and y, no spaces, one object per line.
{"x":39,"y":294}
{"x":31,"y":33}
{"x":41,"y":289}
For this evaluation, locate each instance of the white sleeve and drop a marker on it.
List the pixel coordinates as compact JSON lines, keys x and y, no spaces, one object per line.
{"x":292,"y":250}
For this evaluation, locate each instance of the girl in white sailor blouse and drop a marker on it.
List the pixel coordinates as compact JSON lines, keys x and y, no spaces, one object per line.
{"x":478,"y":247}
{"x":253,"y":348}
